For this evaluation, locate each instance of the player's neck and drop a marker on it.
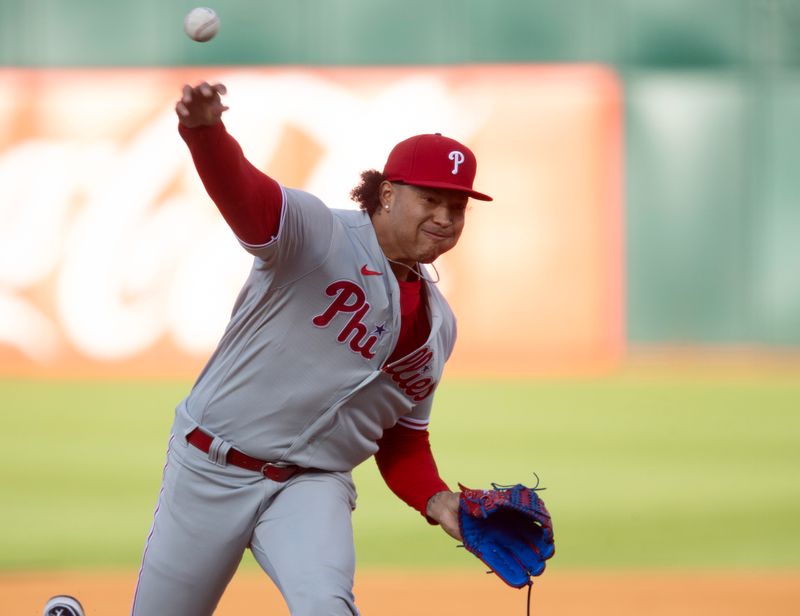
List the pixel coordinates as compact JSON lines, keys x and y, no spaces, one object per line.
{"x":408,"y":273}
{"x":404,"y":272}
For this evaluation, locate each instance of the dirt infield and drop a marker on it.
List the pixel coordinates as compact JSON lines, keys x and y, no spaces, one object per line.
{"x":453,"y":594}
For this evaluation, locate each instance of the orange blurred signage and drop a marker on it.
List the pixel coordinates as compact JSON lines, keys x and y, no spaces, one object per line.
{"x":113,"y":261}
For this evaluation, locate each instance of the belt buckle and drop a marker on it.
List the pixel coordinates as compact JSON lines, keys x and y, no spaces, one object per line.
{"x":276,"y":471}
{"x":275,"y":465}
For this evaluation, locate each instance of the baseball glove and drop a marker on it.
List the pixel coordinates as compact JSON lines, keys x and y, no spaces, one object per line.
{"x":509,"y":529}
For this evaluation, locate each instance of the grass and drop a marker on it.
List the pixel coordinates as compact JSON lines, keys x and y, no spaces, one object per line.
{"x":666,"y":471}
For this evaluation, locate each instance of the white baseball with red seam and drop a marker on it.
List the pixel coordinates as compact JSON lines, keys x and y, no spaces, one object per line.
{"x":201,"y":24}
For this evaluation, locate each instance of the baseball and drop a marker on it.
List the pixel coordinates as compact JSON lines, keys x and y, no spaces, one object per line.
{"x":201,"y":24}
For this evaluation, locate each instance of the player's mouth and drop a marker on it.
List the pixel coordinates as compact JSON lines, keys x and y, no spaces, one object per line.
{"x":437,"y":236}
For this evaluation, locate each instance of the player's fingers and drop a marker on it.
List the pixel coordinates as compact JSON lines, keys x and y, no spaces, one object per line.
{"x":181,"y":109}
{"x":206,"y":90}
{"x":220,"y":89}
{"x":186,"y":96}
{"x":452,"y":528}
{"x":217,"y":109}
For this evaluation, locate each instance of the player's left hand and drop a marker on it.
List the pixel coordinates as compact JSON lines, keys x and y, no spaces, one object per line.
{"x":509,"y":529}
{"x":443,"y":508}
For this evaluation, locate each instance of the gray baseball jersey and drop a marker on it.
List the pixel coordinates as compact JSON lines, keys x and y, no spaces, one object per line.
{"x":299,"y":374}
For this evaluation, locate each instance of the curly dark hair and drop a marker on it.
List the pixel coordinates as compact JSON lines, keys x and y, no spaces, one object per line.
{"x":367,"y":193}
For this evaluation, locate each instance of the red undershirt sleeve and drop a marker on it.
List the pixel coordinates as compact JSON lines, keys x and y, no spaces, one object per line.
{"x":407,"y":466}
{"x":249,"y":200}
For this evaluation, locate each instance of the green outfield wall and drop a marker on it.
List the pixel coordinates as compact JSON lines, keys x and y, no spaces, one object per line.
{"x":712,"y":91}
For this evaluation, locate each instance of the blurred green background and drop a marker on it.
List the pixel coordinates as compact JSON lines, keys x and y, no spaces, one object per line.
{"x":663,"y":469}
{"x":671,"y":468}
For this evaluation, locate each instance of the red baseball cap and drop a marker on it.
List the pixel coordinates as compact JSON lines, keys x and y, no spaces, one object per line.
{"x":434,"y":161}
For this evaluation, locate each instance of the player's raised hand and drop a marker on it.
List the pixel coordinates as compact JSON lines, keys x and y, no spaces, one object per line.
{"x":201,"y":105}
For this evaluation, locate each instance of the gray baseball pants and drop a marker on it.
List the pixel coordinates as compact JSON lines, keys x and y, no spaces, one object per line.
{"x":299,"y":531}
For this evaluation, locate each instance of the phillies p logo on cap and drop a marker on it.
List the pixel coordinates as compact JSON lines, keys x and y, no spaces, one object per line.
{"x":434,"y":161}
{"x":458,"y":158}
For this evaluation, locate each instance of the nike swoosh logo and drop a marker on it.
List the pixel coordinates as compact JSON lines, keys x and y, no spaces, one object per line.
{"x":368,"y":272}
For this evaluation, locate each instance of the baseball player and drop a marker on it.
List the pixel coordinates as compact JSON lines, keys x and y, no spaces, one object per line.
{"x":333,"y":352}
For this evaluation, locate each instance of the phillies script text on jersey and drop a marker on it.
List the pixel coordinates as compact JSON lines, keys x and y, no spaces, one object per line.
{"x":408,"y":373}
{"x":349,"y":298}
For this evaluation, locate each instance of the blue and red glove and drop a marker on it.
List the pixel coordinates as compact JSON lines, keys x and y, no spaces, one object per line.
{"x":509,"y":529}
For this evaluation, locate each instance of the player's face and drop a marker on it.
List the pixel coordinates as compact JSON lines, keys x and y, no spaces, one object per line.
{"x":421,"y":223}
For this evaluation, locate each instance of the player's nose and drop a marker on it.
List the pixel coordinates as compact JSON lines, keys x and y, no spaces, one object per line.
{"x":443,"y":215}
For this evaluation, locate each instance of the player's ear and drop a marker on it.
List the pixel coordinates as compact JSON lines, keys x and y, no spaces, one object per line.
{"x":386,"y":194}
